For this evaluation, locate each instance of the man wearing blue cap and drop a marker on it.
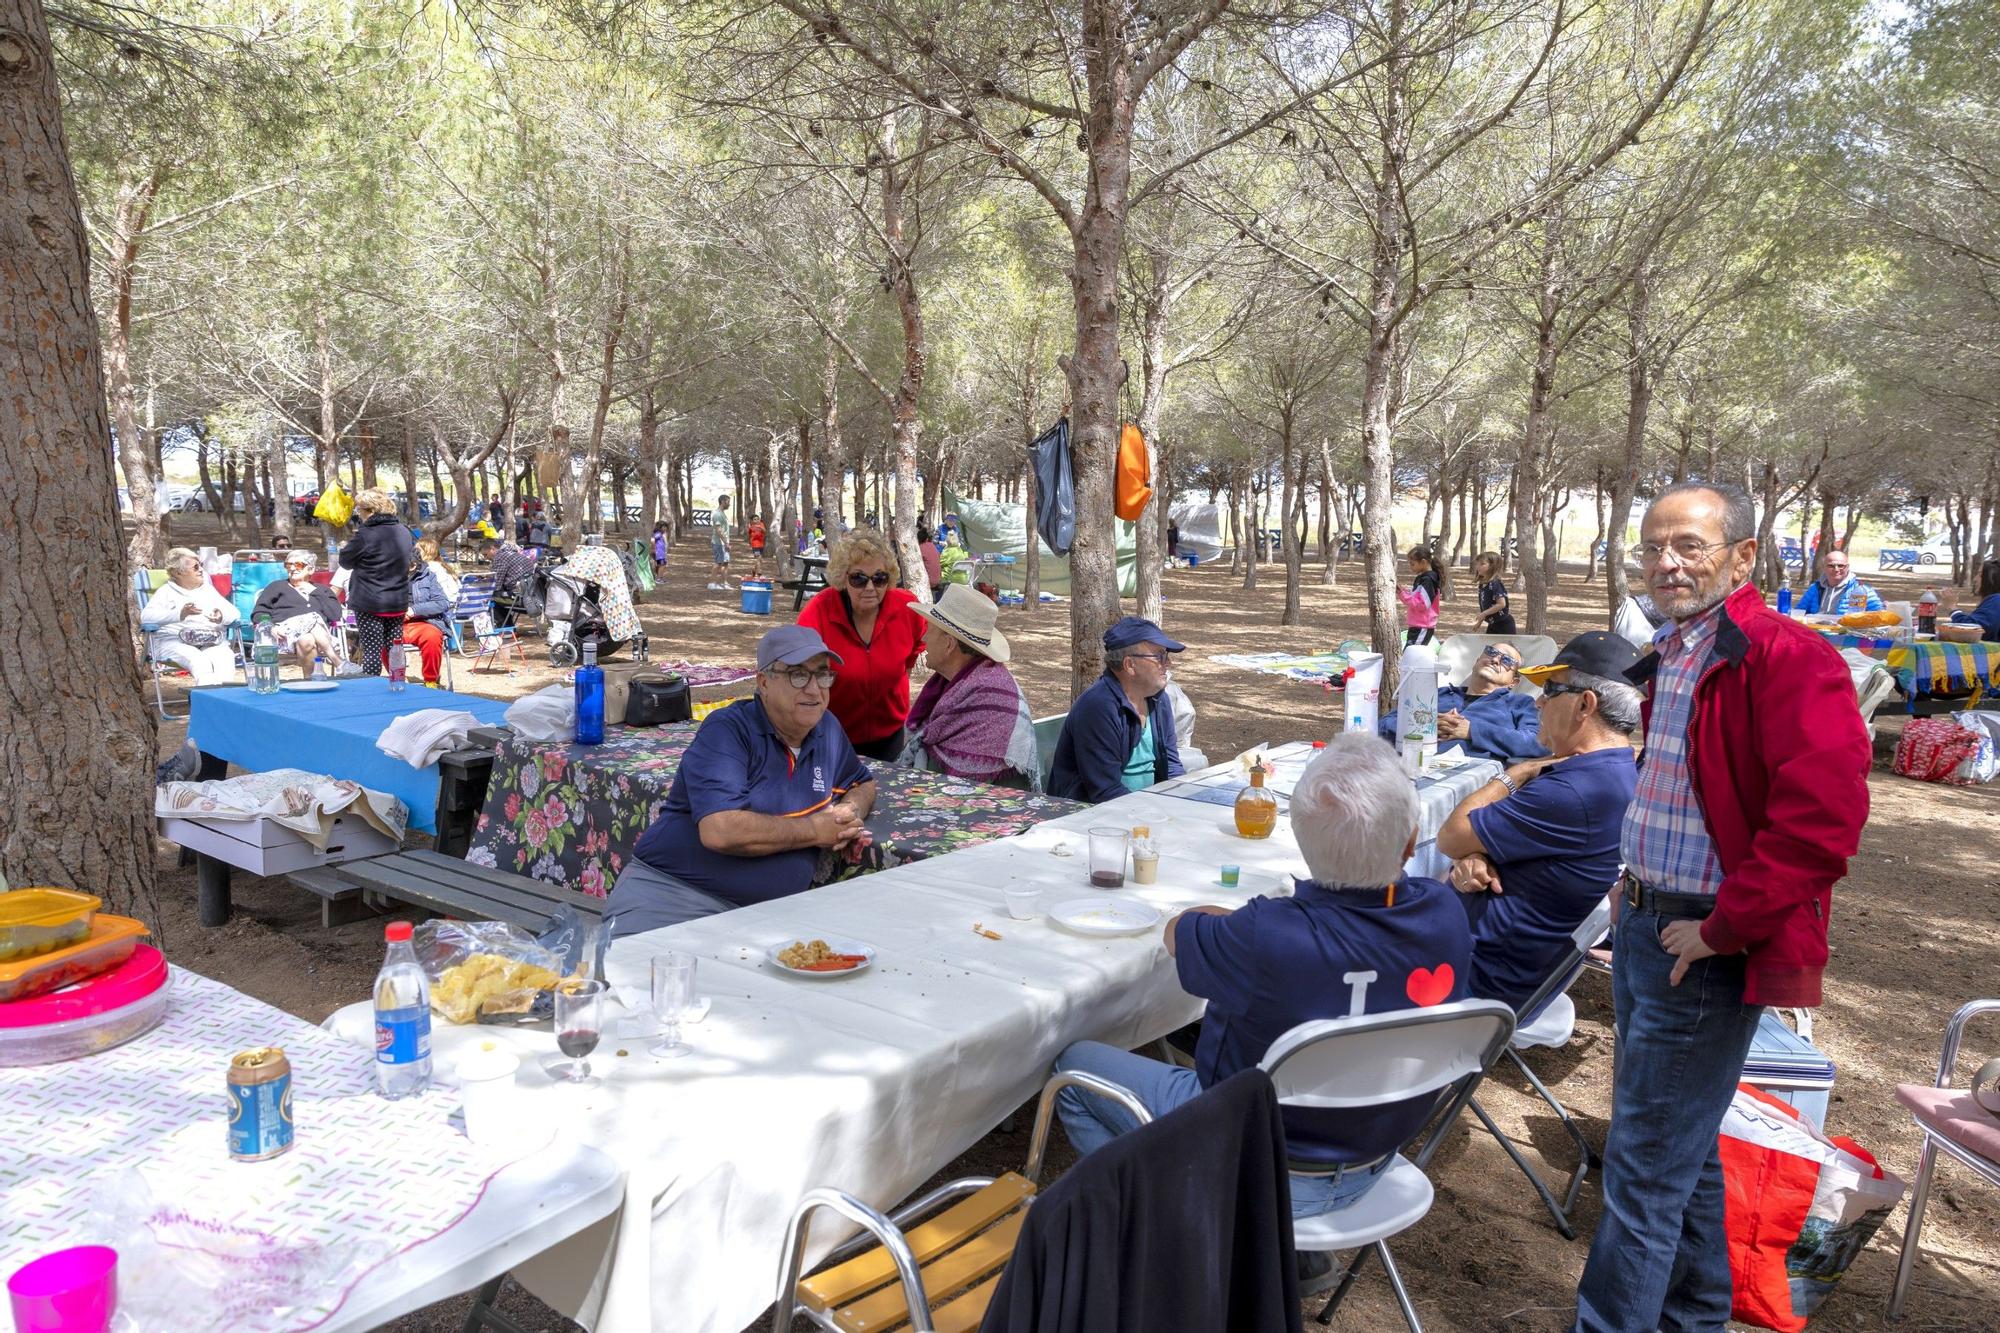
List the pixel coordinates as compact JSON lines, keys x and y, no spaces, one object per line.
{"x":1119,"y":735}
{"x":768,"y":782}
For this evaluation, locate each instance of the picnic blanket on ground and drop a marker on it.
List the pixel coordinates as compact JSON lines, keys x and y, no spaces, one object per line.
{"x":698,"y":674}
{"x":304,"y":802}
{"x":1323,"y":668}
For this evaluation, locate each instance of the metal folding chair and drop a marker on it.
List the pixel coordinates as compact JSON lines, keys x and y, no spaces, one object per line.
{"x":1553,"y":1027}
{"x":1348,"y":1064}
{"x":938,"y":1274}
{"x":1952,"y":1124}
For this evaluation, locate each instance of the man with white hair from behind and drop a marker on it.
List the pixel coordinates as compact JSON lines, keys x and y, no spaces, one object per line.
{"x":1358,"y":937}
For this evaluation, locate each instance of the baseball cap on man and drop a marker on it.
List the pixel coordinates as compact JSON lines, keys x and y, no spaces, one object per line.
{"x":1594,"y":652}
{"x":789,"y":645}
{"x":1135,"y":630}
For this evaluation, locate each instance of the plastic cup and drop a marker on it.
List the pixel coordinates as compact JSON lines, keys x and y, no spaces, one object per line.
{"x":1231,"y":876}
{"x":70,"y":1291}
{"x":1145,"y":869}
{"x":1107,"y":857}
{"x":485,"y":1080}
{"x":1023,"y":902}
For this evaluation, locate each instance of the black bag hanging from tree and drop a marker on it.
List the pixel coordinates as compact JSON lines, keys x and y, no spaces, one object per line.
{"x":1055,"y":488}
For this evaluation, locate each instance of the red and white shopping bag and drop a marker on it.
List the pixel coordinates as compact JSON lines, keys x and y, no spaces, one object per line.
{"x":1801,"y":1206}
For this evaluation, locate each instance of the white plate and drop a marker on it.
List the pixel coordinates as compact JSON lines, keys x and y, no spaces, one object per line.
{"x":308,"y":686}
{"x":867,"y":951}
{"x":1100,"y":916}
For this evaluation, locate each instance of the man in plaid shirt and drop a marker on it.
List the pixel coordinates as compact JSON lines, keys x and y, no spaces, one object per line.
{"x":1752,"y":793}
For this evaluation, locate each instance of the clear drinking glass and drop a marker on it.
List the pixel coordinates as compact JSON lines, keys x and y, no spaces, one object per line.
{"x":1107,"y":857}
{"x":673,"y":996}
{"x":579,"y":1020}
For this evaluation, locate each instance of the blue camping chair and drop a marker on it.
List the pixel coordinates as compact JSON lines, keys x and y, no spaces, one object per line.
{"x":475,"y":599}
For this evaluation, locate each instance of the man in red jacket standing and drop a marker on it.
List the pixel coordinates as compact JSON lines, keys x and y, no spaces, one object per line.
{"x":1752,"y":793}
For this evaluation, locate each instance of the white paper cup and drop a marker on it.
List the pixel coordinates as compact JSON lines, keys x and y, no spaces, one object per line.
{"x":1023,"y":903}
{"x":486,"y":1085}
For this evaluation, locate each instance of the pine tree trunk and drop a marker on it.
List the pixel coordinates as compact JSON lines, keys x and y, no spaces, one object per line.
{"x":78,"y":745}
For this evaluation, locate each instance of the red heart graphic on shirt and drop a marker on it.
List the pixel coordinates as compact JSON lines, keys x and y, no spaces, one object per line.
{"x":1427,"y":987}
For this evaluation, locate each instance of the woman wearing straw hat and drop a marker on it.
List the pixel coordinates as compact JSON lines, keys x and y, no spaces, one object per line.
{"x":970,"y":720}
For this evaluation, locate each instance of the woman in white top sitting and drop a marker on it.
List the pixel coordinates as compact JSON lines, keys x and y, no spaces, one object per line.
{"x":187,"y":622}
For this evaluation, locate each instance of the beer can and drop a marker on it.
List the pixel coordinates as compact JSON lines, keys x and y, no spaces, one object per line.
{"x":260,"y":1104}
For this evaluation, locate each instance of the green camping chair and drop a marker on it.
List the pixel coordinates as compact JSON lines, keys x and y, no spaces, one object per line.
{"x":642,"y":562}
{"x":1048,"y":730}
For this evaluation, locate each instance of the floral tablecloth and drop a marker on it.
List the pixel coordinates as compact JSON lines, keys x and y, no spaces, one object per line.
{"x":570,"y":815}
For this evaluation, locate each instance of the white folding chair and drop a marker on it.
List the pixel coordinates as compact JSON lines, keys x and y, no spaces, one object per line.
{"x":1553,"y":1027}
{"x":952,"y":1259}
{"x":1348,"y":1064}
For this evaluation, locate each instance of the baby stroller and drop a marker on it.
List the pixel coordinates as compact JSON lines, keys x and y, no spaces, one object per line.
{"x":572,"y":615}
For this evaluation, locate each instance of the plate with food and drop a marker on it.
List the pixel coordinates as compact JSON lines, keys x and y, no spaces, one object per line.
{"x":1095,"y":916}
{"x":821,"y":957}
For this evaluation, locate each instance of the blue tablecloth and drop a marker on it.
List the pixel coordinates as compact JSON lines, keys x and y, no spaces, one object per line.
{"x":333,"y":733}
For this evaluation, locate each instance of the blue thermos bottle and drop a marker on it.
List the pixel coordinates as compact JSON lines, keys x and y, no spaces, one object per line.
{"x":1785,"y":599}
{"x":590,"y":699}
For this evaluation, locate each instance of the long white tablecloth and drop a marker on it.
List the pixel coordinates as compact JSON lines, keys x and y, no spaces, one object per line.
{"x":866,"y":1082}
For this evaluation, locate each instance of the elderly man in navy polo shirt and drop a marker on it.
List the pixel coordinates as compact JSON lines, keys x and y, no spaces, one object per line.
{"x":768,"y":783}
{"x":1359,"y":937}
{"x":1119,"y":735}
{"x":1537,"y":847}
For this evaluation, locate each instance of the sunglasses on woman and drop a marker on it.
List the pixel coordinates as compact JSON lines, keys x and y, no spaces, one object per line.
{"x":880,"y":578}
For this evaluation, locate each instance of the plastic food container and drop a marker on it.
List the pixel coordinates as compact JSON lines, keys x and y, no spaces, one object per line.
{"x":110,"y":942}
{"x":49,"y":1043}
{"x":34,"y":921}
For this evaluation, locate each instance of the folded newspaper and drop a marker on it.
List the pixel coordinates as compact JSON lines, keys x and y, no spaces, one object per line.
{"x":304,"y":802}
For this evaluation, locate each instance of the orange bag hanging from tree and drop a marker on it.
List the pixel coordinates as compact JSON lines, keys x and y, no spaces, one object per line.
{"x":1134,"y":484}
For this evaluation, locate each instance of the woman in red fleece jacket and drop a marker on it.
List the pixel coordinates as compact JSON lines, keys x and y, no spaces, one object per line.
{"x":866,"y":620}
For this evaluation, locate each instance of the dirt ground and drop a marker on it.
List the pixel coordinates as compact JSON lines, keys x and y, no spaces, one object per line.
{"x":1486,"y":1257}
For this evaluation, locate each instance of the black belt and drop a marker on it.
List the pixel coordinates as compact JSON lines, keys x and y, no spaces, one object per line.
{"x":1645,"y":898}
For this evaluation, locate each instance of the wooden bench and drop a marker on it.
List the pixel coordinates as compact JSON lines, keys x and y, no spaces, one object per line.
{"x":457,"y":888}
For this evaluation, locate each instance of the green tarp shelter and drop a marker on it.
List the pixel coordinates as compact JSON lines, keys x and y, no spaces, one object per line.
{"x":994,"y":528}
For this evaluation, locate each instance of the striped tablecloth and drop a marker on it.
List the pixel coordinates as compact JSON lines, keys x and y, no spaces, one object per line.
{"x":1933,"y":667}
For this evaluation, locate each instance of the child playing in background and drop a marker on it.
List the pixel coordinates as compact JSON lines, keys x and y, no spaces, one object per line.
{"x":1420,"y":599}
{"x":659,"y":547}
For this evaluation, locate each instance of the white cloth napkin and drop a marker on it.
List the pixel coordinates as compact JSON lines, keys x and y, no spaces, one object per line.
{"x":419,"y":738}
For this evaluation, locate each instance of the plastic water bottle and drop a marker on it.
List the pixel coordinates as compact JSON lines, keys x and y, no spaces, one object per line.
{"x":264,"y":658}
{"x":402,"y":1019}
{"x":1785,"y":600}
{"x":590,"y":699}
{"x":399,"y":666}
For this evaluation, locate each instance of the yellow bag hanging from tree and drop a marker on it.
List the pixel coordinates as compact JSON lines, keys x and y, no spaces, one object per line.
{"x":335,"y":505}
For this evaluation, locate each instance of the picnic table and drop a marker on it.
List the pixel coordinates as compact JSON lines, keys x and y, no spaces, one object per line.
{"x":570,"y":815}
{"x":331,"y":732}
{"x":812,"y":577}
{"x":868,"y":1082}
{"x":379,"y":1209}
{"x":1929,"y":669}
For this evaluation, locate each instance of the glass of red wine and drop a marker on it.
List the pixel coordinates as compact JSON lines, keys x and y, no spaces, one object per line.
{"x":579,"y":1020}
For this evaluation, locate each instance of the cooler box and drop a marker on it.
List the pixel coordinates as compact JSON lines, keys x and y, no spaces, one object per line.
{"x":266,"y":847}
{"x":756,"y":598}
{"x":1790,"y":1068}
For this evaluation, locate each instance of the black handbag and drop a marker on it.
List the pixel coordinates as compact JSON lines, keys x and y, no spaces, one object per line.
{"x":652,"y":700}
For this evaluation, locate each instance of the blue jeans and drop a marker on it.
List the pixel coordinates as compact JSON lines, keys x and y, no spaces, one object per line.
{"x":1660,"y":1258}
{"x":1092,"y":1121}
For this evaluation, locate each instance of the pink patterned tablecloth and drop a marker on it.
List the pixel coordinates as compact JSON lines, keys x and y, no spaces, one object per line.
{"x":282,"y":1241}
